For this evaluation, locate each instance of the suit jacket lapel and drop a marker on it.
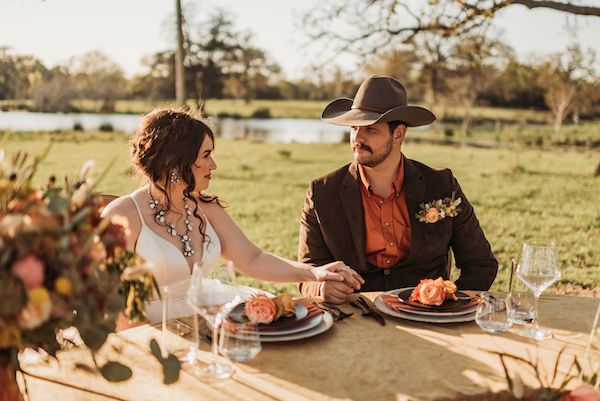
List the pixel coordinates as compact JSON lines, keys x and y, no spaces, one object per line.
{"x":353,"y":209}
{"x":414,"y":188}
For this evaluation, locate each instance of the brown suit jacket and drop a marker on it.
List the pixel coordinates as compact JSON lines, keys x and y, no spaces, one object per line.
{"x":332,"y":228}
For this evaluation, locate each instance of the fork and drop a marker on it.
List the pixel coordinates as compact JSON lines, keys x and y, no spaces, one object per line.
{"x":337,"y":313}
{"x":343,"y":315}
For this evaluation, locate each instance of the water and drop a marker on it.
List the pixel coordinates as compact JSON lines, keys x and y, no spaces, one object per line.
{"x":492,"y":326}
{"x":242,"y":353}
{"x":281,"y":130}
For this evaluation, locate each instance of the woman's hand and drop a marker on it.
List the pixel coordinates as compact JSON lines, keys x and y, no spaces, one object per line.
{"x":338,"y":271}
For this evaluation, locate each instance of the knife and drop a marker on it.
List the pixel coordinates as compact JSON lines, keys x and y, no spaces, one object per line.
{"x":373,"y":312}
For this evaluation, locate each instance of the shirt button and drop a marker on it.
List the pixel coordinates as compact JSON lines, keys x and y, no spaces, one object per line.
{"x":391,"y":244}
{"x":388,"y":262}
{"x":386,"y":224}
{"x":387,"y":271}
{"x":381,"y":202}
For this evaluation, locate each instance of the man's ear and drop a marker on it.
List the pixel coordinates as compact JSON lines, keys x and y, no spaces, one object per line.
{"x":399,"y":133}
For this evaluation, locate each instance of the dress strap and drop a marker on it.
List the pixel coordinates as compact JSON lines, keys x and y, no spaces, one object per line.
{"x":139,"y":210}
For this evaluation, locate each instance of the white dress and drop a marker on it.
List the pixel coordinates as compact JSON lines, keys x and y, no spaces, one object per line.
{"x":170,"y":267}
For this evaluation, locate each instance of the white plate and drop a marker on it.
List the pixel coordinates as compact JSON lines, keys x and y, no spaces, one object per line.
{"x":324,"y":325}
{"x":380,"y":305}
{"x":306,"y":325}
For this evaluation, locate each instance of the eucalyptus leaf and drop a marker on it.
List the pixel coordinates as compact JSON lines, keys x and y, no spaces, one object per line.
{"x":155,"y":349}
{"x":115,"y":372}
{"x":93,"y":336}
{"x":171,"y":369}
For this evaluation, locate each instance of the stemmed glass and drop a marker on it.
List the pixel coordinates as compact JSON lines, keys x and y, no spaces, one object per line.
{"x":538,"y":270}
{"x":213,"y":293}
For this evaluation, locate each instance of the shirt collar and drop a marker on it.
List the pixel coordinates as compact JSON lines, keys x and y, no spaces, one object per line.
{"x":398,"y":183}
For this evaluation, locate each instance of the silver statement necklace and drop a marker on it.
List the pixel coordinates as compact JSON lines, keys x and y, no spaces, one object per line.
{"x":160,"y":219}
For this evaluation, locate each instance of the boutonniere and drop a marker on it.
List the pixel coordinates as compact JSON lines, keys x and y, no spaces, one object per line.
{"x":434,"y":211}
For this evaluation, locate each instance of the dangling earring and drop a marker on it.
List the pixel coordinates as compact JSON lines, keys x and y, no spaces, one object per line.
{"x":174,"y":176}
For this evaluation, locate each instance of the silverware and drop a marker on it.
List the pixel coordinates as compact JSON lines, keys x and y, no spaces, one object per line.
{"x":367,"y":310}
{"x":335,"y":311}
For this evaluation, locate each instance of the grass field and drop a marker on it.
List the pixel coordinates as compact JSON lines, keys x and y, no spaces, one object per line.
{"x":517,"y":196}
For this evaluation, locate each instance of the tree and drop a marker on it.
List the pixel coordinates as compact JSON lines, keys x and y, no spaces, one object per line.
{"x":377,"y":25}
{"x":180,"y":93}
{"x":18,"y":73}
{"x":474,"y":61}
{"x":563,"y":76}
{"x":55,"y":93}
{"x":97,"y":77}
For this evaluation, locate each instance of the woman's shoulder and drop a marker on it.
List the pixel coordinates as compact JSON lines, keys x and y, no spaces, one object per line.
{"x":124,"y":206}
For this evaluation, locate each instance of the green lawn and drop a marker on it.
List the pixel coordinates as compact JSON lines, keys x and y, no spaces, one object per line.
{"x":531,"y":194}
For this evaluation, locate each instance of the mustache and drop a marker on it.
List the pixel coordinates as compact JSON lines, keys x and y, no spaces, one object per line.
{"x":362,"y":146}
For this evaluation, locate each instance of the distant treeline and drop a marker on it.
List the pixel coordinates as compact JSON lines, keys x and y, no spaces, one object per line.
{"x":222,"y":62}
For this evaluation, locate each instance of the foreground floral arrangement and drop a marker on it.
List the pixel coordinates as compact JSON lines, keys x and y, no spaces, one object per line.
{"x":62,"y":265}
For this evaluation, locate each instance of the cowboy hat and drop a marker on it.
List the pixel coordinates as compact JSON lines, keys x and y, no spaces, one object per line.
{"x":378,"y":99}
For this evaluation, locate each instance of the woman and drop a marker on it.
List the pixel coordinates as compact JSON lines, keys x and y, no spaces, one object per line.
{"x":174,"y":224}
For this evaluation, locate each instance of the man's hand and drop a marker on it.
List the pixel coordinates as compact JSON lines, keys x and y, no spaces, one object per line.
{"x":335,"y":291}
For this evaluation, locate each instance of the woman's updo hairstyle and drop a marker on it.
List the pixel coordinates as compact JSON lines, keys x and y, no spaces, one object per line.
{"x":169,"y":140}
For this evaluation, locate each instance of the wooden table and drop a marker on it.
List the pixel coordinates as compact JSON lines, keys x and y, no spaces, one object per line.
{"x":355,"y":360}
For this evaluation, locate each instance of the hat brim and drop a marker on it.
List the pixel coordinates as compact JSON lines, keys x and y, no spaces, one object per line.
{"x":340,"y":112}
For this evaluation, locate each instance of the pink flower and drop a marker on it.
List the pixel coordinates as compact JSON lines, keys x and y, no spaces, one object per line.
{"x":584,"y":392}
{"x":429,"y":292}
{"x":260,"y":309}
{"x":432,"y":215}
{"x":30,"y":269}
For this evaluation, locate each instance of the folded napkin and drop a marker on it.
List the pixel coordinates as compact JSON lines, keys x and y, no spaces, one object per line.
{"x":313,"y":310}
{"x":395,"y":303}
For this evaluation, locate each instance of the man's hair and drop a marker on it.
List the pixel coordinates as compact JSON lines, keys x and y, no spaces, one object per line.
{"x":394,"y":124}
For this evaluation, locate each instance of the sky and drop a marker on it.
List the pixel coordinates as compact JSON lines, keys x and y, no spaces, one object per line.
{"x":128,"y":30}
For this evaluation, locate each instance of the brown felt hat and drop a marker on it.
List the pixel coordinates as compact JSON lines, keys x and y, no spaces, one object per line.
{"x":378,"y":99}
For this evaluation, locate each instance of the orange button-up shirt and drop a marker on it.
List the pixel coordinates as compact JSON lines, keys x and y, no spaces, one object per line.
{"x":387,"y":226}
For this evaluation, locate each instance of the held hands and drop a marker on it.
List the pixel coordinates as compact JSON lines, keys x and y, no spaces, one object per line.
{"x":337,"y":281}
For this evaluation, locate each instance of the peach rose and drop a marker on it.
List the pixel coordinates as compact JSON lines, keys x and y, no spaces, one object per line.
{"x":450,"y":289}
{"x":432,"y":215}
{"x":286,"y":306}
{"x":261,"y":309}
{"x":429,"y":292}
{"x":37,"y":310}
{"x":30,"y":269}
{"x":584,"y":392}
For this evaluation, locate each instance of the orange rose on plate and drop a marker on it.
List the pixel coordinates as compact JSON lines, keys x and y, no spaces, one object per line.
{"x":286,"y":306}
{"x":261,"y":309}
{"x":433,"y":292}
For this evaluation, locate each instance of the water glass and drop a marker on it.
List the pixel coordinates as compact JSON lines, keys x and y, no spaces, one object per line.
{"x":521,"y":299}
{"x":179,"y":324}
{"x":494,"y":313}
{"x":239,"y":342}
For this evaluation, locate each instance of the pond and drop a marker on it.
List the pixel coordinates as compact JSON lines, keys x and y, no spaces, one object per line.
{"x":268,"y":130}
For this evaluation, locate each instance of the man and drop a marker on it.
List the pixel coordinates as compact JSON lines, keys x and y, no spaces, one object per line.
{"x":378,"y":215}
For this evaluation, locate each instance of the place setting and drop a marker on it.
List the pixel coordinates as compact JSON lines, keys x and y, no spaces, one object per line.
{"x":431,"y":301}
{"x":280,"y":318}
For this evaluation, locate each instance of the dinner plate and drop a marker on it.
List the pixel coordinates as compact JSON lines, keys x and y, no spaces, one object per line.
{"x":238,"y":316}
{"x":324,"y":325}
{"x":443,"y":318}
{"x":464,"y":301}
{"x":302,"y":326}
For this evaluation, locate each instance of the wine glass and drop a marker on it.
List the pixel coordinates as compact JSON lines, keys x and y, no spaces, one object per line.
{"x":213,"y":293}
{"x":538,"y":270}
